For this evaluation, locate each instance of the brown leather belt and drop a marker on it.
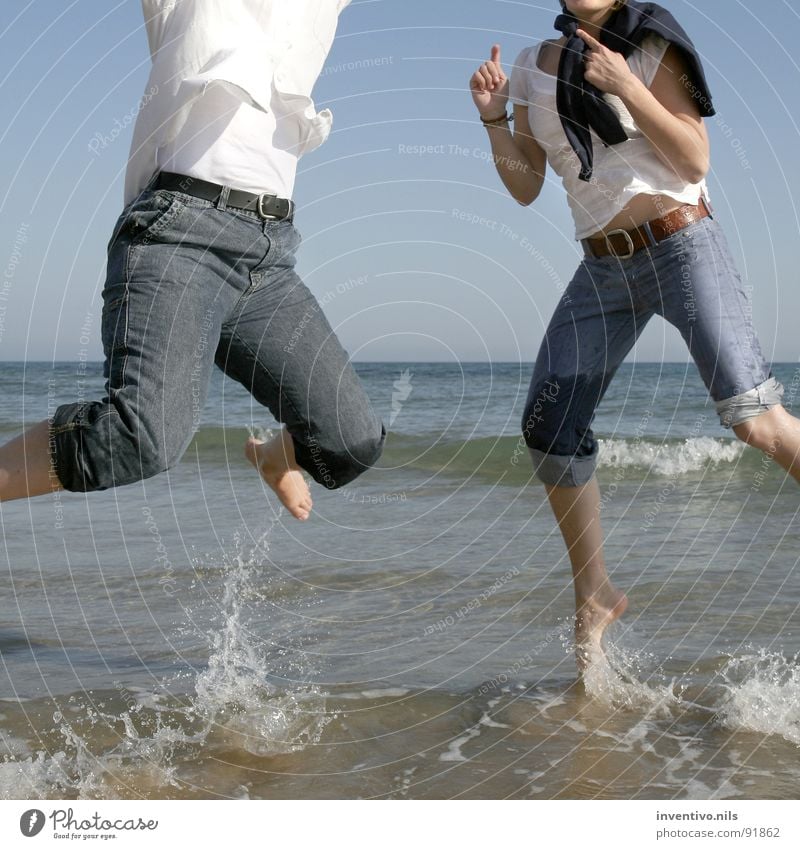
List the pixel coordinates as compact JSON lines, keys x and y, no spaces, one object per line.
{"x":623,"y":244}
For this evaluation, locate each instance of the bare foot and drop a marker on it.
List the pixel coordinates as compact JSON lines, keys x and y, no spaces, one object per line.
{"x":276,"y":464}
{"x":592,"y":618}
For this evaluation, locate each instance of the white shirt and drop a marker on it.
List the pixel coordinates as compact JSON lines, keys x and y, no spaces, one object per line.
{"x":620,"y":171}
{"x":261,"y":55}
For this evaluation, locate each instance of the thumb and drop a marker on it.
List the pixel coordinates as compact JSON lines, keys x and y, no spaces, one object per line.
{"x":496,"y":54}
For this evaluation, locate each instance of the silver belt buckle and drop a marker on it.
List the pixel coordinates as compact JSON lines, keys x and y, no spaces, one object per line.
{"x":627,"y":235}
{"x":260,"y":209}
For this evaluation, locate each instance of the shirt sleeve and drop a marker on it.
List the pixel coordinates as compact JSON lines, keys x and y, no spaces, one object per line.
{"x":646,"y":59}
{"x":518,"y":92}
{"x":155,"y":14}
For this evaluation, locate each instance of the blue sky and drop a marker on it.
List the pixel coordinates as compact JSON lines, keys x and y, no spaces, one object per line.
{"x":417,"y":256}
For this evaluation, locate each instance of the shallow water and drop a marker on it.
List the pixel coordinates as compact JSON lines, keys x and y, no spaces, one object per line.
{"x":182,"y":638}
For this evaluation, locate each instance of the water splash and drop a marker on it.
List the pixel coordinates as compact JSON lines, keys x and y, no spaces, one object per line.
{"x":142,"y":746}
{"x":762,"y":695}
{"x":234,"y":693}
{"x":617,"y":676}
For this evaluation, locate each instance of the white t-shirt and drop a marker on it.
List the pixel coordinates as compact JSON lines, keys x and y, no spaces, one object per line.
{"x":620,"y":171}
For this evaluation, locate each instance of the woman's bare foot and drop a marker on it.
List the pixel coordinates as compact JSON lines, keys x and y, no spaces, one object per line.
{"x":276,"y":464}
{"x":593,"y":615}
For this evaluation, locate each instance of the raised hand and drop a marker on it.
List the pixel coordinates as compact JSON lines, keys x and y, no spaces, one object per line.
{"x":489,"y":86}
{"x":605,"y":69}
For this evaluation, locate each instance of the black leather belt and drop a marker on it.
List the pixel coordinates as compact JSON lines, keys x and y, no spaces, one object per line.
{"x":267,"y":206}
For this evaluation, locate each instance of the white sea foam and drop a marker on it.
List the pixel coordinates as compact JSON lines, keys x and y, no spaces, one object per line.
{"x":669,"y":458}
{"x":763,"y":695}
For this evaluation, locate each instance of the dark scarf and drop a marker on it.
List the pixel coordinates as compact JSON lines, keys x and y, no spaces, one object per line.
{"x":581,"y":105}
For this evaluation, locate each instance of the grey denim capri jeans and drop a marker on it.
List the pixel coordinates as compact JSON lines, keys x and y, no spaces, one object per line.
{"x":691,"y":280}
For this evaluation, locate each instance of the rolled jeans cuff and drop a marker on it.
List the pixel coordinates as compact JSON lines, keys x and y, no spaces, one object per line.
{"x":748,"y":405}
{"x":563,"y":470}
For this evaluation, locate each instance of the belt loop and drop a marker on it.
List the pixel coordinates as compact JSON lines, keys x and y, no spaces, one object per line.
{"x":649,"y":230}
{"x":222,"y":200}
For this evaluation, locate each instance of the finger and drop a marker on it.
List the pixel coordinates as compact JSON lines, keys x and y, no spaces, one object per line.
{"x":589,"y":39}
{"x":501,"y":77}
{"x":484,"y":71}
{"x":495,"y":71}
{"x":496,"y":54}
{"x":477,"y":81}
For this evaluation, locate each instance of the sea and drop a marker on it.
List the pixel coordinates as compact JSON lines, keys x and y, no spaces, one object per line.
{"x":185,"y":638}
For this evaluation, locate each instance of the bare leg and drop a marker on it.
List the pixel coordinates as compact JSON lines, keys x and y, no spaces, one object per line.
{"x":25,"y":467}
{"x":597,"y":602}
{"x":276,"y":462}
{"x":777,"y":433}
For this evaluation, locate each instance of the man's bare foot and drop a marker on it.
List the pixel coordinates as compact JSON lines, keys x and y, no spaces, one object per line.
{"x":592,"y":618}
{"x":276,"y":464}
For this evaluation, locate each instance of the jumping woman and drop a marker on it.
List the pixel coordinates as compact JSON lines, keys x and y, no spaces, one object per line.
{"x":616,"y":107}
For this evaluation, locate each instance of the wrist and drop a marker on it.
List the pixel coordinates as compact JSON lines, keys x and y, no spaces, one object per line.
{"x":629,"y":88}
{"x":498,"y":120}
{"x":493,"y":113}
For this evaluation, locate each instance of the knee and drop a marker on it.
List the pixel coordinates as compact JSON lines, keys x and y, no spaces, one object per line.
{"x":141,"y":458}
{"x":334,"y":466}
{"x":765,"y":430}
{"x":545,"y":418}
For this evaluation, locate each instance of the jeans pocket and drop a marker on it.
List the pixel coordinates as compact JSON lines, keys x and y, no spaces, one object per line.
{"x":151,"y":215}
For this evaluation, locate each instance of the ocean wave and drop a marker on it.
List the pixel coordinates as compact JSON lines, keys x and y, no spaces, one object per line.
{"x":506,"y":460}
{"x":669,"y":457}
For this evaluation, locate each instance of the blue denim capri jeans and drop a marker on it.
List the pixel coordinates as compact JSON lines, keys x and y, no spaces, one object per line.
{"x":691,"y":280}
{"x":192,"y":285}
